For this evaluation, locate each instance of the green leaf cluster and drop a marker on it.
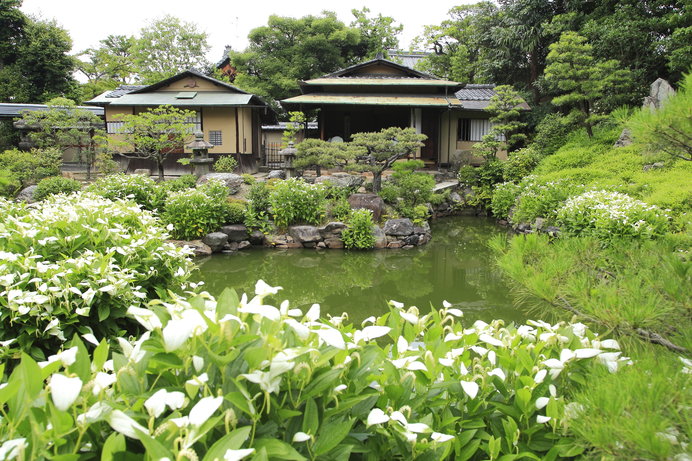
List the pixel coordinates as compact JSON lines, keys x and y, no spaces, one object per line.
{"x":56,"y":185}
{"x":359,"y":234}
{"x":29,"y":167}
{"x":294,"y":201}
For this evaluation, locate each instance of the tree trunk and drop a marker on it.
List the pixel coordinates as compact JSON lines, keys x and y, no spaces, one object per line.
{"x":159,"y":164}
{"x":533,"y":66}
{"x":318,"y":170}
{"x":376,"y":181}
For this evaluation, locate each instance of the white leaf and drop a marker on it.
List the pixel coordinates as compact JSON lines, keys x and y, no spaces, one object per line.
{"x":418,"y":428}
{"x":541,"y":402}
{"x":373,"y":332}
{"x":263,"y":289}
{"x":301,"y":437}
{"x":376,"y":416}
{"x":175,"y":333}
{"x":540,"y":376}
{"x":331,"y":336}
{"x":438,"y":437}
{"x":203,"y":410}
{"x":314,"y":313}
{"x":586,"y":353}
{"x":540,"y":419}
{"x":486,"y":338}
{"x":64,"y":390}
{"x":237,"y":455}
{"x":122,"y":423}
{"x":470,"y":388}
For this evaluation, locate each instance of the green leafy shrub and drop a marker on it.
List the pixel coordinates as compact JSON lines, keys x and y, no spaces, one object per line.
{"x":389,"y":193}
{"x":141,"y":189}
{"x":359,"y":234}
{"x":608,"y":215}
{"x":196,"y":212}
{"x":440,"y":198}
{"x":29,"y":167}
{"x":520,"y":164}
{"x":552,"y":133}
{"x":225,"y":164}
{"x":9,"y":184}
{"x":56,"y":185}
{"x":226,"y":378}
{"x":418,"y":214}
{"x":236,"y":211}
{"x":340,"y":209}
{"x":482,"y":181}
{"x":259,"y":196}
{"x":182,"y":182}
{"x":294,"y":201}
{"x":541,"y":199}
{"x":257,"y":219}
{"x":248,"y":179}
{"x":74,"y":265}
{"x":504,"y":197}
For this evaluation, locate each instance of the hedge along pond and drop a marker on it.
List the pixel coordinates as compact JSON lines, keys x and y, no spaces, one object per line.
{"x":456,"y":266}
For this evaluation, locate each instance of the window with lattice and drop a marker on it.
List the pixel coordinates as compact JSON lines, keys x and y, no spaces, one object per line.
{"x":215,"y":138}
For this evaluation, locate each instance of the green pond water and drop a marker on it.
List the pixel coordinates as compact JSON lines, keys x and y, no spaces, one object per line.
{"x":455,"y":266}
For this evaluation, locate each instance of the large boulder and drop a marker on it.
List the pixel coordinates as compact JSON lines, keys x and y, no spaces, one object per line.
{"x":625,"y":139}
{"x":372,"y":202}
{"x":27,"y":194}
{"x":235,"y":232}
{"x":215,"y":241}
{"x":332,"y":229}
{"x":232,"y":180}
{"x":659,"y":92}
{"x":276,"y":174}
{"x":342,"y":180}
{"x":399,"y":227}
{"x":380,"y":237}
{"x":199,"y":247}
{"x":305,"y":234}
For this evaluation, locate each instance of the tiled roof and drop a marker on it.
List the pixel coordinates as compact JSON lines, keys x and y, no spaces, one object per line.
{"x":475,"y":92}
{"x":123,"y":90}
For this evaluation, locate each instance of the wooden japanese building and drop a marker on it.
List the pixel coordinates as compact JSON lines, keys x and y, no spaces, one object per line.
{"x":380,"y":93}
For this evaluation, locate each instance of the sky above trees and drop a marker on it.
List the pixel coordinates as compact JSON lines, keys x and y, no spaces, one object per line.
{"x":227,"y":23}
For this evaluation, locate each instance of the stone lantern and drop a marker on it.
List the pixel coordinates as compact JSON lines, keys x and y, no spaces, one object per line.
{"x":289,"y":154}
{"x":200,"y":154}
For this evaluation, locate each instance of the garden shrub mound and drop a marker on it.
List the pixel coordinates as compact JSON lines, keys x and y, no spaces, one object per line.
{"x":74,"y":265}
{"x":141,"y":189}
{"x":56,"y":185}
{"x":229,"y":378}
{"x":294,"y":201}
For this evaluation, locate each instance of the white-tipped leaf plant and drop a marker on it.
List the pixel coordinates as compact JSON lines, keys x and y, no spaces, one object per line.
{"x":231,"y":379}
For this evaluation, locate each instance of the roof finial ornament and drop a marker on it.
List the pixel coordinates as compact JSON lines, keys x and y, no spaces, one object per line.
{"x":379,"y":55}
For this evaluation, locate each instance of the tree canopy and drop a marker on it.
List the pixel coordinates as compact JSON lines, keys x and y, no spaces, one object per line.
{"x":34,"y":61}
{"x":288,"y":50}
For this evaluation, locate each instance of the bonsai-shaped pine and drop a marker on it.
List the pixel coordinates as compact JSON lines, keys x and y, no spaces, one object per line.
{"x":580,"y":80}
{"x":64,"y":125}
{"x":504,"y":116}
{"x":154,"y":134}
{"x":318,"y":154}
{"x":375,"y":152}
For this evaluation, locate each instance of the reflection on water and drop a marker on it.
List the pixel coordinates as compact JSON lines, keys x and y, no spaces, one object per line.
{"x":455,"y":266}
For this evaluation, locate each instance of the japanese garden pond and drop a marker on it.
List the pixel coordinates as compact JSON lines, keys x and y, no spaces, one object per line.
{"x":455,"y":266}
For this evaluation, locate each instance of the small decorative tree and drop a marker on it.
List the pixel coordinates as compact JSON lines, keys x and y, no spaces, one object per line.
{"x":296,"y":123}
{"x":375,"y":152}
{"x":64,"y":125}
{"x":581,"y":80}
{"x":154,"y":134}
{"x":504,"y":116}
{"x":318,"y":154}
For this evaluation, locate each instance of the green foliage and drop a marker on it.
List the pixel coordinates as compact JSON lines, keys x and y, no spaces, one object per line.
{"x":225,"y":164}
{"x":504,"y":197}
{"x":539,"y":199}
{"x":110,"y":64}
{"x":307,"y":387}
{"x":318,"y":154}
{"x":668,"y":129}
{"x":359,"y":234}
{"x":520,"y":164}
{"x":154,"y":134}
{"x":64,"y":125}
{"x":653,"y":393}
{"x":439,"y":199}
{"x":257,"y":219}
{"x":259,"y":196}
{"x":504,"y":117}
{"x":611,"y":215}
{"x":294,"y":201}
{"x":248,"y":179}
{"x":551,"y":133}
{"x":482,"y":181}
{"x":295,"y":125}
{"x":340,"y":209}
{"x":66,"y":272}
{"x":378,"y":34}
{"x":36,"y":65}
{"x":182,"y":182}
{"x":9,"y":184}
{"x":56,"y":185}
{"x":29,"y":167}
{"x":196,"y":212}
{"x":581,"y":80}
{"x":419,"y":214}
{"x":414,"y":188}
{"x":141,"y":189}
{"x":236,"y":211}
{"x":168,"y":46}
{"x":377,"y":151}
